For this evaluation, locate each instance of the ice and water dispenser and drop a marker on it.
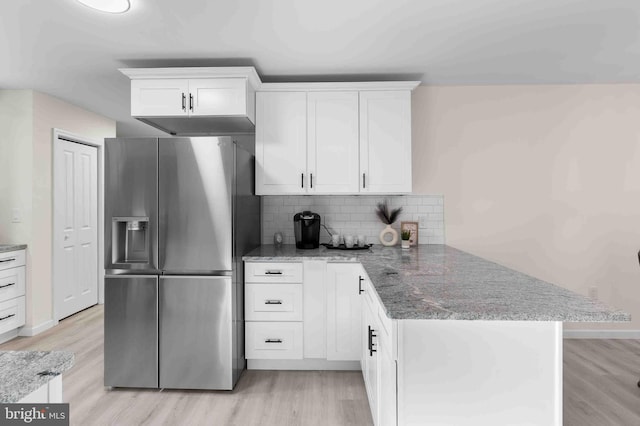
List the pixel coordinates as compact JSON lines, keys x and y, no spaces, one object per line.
{"x":130,"y":240}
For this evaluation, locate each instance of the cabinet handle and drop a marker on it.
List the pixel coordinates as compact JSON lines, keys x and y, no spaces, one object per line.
{"x":301,"y":180}
{"x":360,"y":290}
{"x":273,"y":273}
{"x":364,"y":181}
{"x":273,"y":341}
{"x":371,"y":336}
{"x":8,"y":316}
{"x":311,"y":180}
{"x":273,"y":302}
{"x":7,"y":285}
{"x":184,"y":102}
{"x":10,"y":259}
{"x":191,"y":102}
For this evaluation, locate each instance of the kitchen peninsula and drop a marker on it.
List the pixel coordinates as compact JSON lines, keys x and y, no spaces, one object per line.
{"x":464,"y":340}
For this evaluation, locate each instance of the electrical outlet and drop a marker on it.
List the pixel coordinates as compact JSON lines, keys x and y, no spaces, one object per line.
{"x":16,"y":215}
{"x":593,"y":292}
{"x":422,"y":220}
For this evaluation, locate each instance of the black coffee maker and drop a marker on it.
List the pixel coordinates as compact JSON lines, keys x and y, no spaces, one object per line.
{"x":306,"y":227}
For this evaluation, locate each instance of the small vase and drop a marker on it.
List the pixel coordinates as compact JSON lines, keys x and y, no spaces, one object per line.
{"x":406,"y":244}
{"x":388,"y":230}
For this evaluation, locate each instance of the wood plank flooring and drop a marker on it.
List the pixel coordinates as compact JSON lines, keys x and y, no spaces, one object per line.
{"x":600,"y":388}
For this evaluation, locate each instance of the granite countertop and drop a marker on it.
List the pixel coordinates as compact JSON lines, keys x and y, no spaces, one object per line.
{"x":441,"y":282}
{"x":19,"y":371}
{"x":11,"y":247}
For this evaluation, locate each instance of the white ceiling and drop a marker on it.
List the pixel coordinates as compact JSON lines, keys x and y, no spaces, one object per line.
{"x":65,"y":49}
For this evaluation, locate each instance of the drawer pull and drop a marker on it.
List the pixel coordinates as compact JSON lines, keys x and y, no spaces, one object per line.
{"x":273,"y":341}
{"x":371,"y":336}
{"x":360,"y":290}
{"x":273,"y":302}
{"x":8,"y":316}
{"x":273,"y":273}
{"x":7,"y":285}
{"x":10,"y":259}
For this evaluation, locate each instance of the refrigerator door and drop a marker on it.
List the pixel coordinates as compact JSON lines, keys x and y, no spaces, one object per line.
{"x":131,"y":205}
{"x":131,"y":331}
{"x":196,"y":222}
{"x":196,"y":339}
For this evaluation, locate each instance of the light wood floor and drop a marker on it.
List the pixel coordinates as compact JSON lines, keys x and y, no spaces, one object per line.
{"x":600,"y":388}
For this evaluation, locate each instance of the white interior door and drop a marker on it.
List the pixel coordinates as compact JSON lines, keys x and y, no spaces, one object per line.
{"x":75,"y":227}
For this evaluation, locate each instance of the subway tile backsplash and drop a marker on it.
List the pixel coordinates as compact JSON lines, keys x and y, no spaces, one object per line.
{"x":352,"y":215}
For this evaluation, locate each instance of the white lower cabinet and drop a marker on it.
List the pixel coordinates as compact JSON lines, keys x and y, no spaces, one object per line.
{"x":273,"y":340}
{"x":273,"y":311}
{"x":370,"y":364}
{"x":12,"y":293}
{"x":344,"y":311}
{"x":378,"y":359}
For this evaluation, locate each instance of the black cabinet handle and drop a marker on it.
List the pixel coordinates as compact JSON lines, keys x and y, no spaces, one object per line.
{"x":191,"y":102}
{"x":273,"y":302}
{"x":273,"y":273}
{"x":360,"y":290}
{"x":7,"y":285}
{"x":311,"y":180}
{"x":273,"y":341}
{"x":371,"y":336}
{"x":184,"y":102}
{"x":8,"y":316}
{"x":301,"y":180}
{"x":364,"y":182}
{"x":10,"y":259}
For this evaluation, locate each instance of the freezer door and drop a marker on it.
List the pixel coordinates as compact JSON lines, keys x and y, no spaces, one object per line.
{"x":195,"y":194}
{"x":131,"y":205}
{"x":196,"y":338}
{"x":131,"y":331}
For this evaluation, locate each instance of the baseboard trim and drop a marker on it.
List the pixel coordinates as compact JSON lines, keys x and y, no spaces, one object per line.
{"x":33,"y":331}
{"x":301,"y":364}
{"x":9,"y":335}
{"x":601,"y":334}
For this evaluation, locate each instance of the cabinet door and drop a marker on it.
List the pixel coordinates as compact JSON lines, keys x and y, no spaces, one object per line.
{"x":344,"y":312}
{"x":218,"y":96}
{"x":370,"y":359}
{"x":332,"y":141}
{"x":281,"y":143}
{"x":387,"y":385}
{"x":159,"y":98}
{"x":385,"y":141}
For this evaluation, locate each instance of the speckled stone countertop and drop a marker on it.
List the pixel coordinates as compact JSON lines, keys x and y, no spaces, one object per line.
{"x":19,"y":371}
{"x":441,"y":282}
{"x":11,"y":247}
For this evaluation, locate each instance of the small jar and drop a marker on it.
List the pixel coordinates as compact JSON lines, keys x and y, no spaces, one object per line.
{"x":348,"y":241}
{"x":278,"y":239}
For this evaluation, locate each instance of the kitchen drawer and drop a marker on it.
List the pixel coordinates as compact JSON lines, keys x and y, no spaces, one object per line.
{"x":273,"y":340}
{"x":268,"y":272}
{"x":273,"y":302}
{"x":11,"y":259}
{"x":11,"y":283}
{"x":11,"y":314}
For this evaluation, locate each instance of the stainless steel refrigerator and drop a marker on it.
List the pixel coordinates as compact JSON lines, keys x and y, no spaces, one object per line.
{"x":179,"y":215}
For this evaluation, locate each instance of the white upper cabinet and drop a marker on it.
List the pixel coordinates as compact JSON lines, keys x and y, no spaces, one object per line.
{"x":219,"y":96}
{"x":161,"y":97}
{"x":357,"y":138}
{"x":332,"y":142}
{"x":195,"y":101}
{"x":281,"y":143}
{"x":385,"y":141}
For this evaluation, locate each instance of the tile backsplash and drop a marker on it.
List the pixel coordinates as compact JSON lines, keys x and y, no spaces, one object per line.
{"x":353,"y":215}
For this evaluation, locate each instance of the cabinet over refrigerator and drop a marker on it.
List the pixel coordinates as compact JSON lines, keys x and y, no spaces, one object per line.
{"x":179,"y":214}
